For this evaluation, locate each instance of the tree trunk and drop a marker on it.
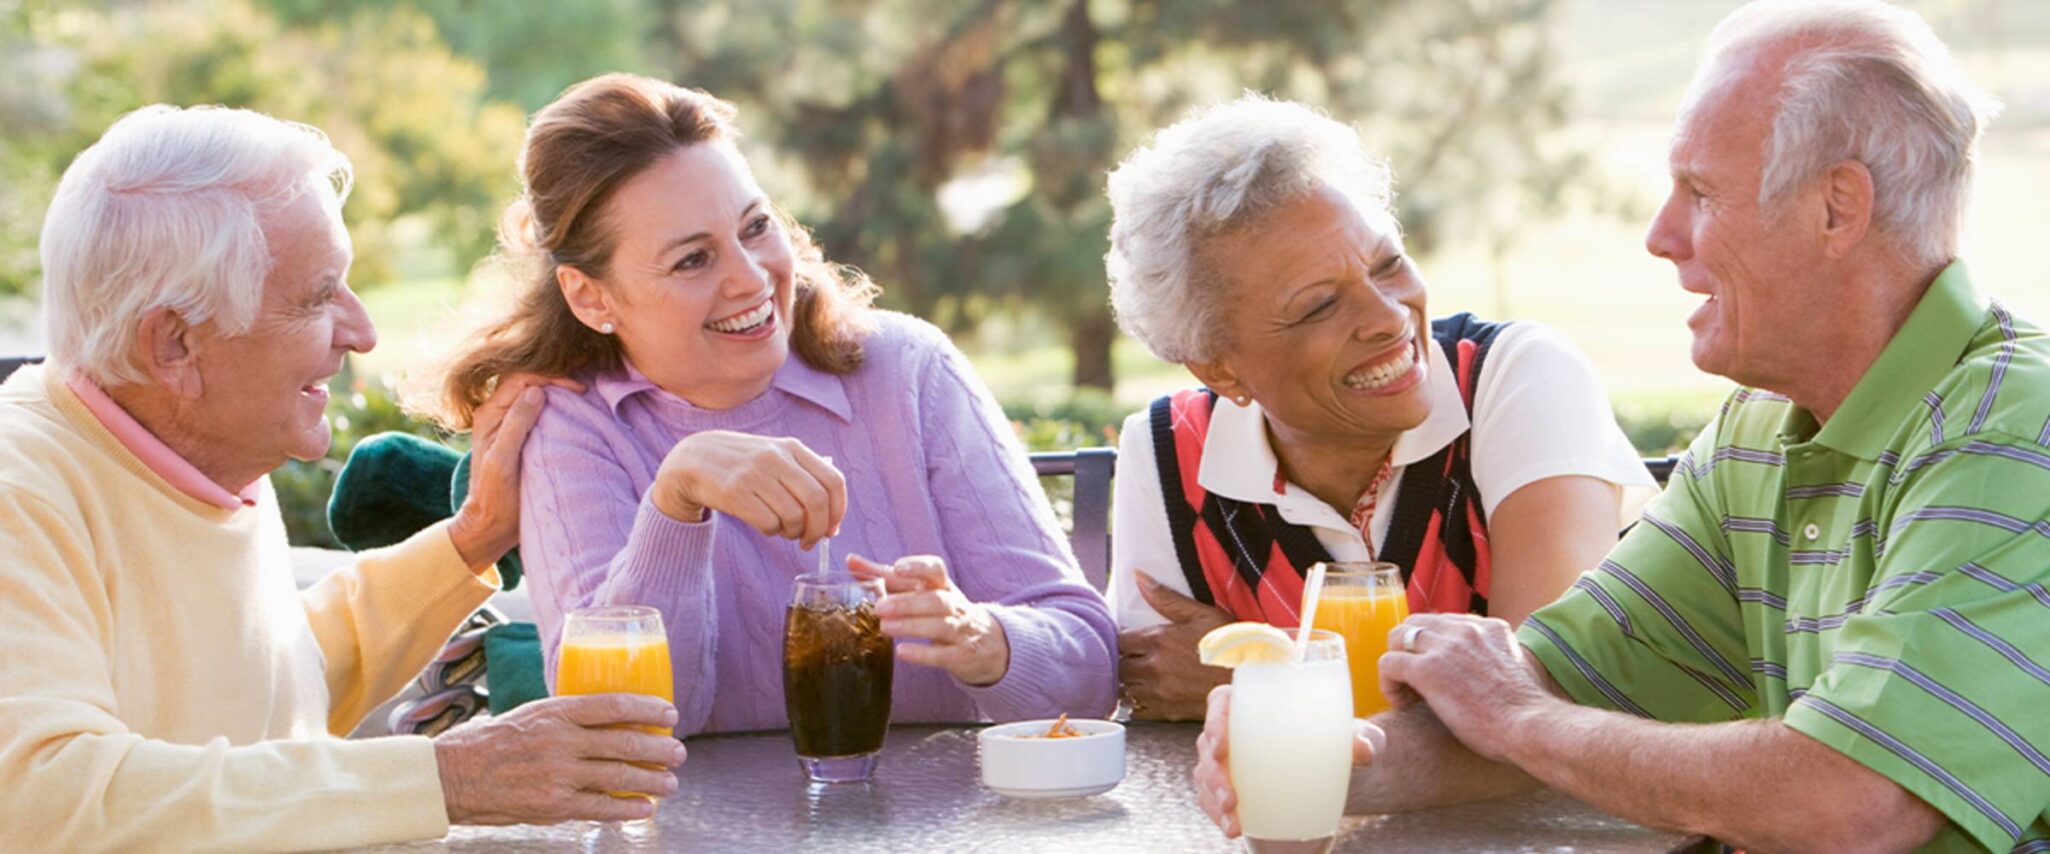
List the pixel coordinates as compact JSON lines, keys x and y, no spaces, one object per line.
{"x":1090,"y":335}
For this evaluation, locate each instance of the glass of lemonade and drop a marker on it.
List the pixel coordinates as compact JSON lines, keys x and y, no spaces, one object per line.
{"x":1363,"y":602}
{"x":1291,"y":746}
{"x":837,"y":666}
{"x":615,"y":649}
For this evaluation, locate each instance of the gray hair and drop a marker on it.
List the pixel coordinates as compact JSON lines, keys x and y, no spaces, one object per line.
{"x":165,"y":211}
{"x":1220,"y":169}
{"x":1868,"y":82}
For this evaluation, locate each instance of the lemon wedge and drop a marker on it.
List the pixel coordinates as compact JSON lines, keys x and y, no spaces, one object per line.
{"x":1243,"y":643}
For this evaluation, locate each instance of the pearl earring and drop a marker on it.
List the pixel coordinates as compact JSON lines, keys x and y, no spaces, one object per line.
{"x":605,"y":328}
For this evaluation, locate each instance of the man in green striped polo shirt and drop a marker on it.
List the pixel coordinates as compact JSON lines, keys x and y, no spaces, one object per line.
{"x":1832,"y":631}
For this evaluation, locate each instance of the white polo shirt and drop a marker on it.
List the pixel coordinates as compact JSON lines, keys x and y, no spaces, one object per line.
{"x":1538,"y":413}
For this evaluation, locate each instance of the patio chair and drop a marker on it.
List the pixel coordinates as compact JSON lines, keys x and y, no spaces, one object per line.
{"x":10,"y":364}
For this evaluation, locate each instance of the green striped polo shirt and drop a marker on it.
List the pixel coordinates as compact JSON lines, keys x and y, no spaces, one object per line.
{"x":1878,"y":583}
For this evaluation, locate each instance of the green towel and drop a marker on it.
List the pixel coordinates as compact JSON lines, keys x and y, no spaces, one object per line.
{"x":512,"y":661}
{"x":395,"y":484}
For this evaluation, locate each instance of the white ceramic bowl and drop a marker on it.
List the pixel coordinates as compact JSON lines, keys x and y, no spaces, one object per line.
{"x":1017,"y":764}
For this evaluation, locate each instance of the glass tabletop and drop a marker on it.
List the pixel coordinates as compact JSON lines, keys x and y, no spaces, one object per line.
{"x":745,"y":792}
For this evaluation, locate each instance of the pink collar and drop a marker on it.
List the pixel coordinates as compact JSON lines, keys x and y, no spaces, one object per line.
{"x":152,"y":451}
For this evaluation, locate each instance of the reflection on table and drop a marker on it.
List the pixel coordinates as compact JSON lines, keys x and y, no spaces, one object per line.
{"x":746,"y":793}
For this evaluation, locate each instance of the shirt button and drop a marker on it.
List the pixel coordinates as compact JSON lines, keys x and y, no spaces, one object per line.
{"x":1812,"y":532}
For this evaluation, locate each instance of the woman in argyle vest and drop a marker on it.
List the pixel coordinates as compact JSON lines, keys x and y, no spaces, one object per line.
{"x":1255,"y":245}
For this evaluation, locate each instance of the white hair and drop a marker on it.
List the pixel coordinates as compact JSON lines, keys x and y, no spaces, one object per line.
{"x":165,"y":211}
{"x":1869,"y":82}
{"x":1220,"y":169}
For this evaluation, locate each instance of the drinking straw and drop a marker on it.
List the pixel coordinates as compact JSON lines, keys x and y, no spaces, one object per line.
{"x":825,"y":547}
{"x":1312,"y":588}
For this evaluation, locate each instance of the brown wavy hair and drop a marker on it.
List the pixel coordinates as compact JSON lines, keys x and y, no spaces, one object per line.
{"x":579,"y":151}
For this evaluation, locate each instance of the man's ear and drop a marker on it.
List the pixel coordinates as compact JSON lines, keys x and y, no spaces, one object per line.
{"x":1219,"y":376}
{"x":1847,"y":197}
{"x":587,"y":299}
{"x":167,"y":349}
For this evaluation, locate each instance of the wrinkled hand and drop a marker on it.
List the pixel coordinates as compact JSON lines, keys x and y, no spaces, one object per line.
{"x":775,"y":485}
{"x":488,"y":524}
{"x":1477,"y":679}
{"x":964,"y":638}
{"x":553,"y":760}
{"x":1158,"y":665}
{"x":1212,"y":777}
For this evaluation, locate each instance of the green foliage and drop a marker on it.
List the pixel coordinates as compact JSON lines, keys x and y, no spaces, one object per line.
{"x":1088,"y":418}
{"x":532,"y":50}
{"x":370,"y":407}
{"x":413,"y":116}
{"x":888,"y":105}
{"x":1660,"y":434}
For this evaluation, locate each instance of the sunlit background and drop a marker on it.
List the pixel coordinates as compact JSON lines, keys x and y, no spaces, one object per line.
{"x":955,"y":149}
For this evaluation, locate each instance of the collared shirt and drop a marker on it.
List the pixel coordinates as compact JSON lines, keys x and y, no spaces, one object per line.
{"x":932,"y":467}
{"x":1878,"y":583}
{"x":1539,"y":412}
{"x":168,"y":464}
{"x":795,"y":377}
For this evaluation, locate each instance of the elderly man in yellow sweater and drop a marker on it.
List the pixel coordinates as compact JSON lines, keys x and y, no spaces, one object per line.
{"x":162,"y":683}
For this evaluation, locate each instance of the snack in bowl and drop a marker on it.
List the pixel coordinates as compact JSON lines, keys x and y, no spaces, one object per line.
{"x":1059,"y":729}
{"x":1064,"y":758}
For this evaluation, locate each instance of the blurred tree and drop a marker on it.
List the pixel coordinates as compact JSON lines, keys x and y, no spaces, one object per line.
{"x":412,"y":115}
{"x":531,"y":51}
{"x":957,"y":150}
{"x":33,"y":116}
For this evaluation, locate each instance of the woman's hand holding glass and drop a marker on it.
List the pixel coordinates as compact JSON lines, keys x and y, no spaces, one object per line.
{"x":775,"y":484}
{"x":922,"y":603}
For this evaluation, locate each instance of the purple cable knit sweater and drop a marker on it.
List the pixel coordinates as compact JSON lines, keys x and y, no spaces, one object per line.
{"x":932,"y":467}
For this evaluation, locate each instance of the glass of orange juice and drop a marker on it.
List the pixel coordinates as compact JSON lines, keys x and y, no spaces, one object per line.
{"x":1363,"y":602}
{"x":619,"y":649}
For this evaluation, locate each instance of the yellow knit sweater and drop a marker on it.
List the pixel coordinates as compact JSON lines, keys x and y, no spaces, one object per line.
{"x":163,"y":685}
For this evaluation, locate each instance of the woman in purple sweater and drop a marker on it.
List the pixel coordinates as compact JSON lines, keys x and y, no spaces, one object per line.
{"x":704,"y":458}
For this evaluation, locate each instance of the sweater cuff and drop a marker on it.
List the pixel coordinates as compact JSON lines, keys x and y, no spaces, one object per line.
{"x":402,"y":798}
{"x":664,"y":559}
{"x":1030,"y":686}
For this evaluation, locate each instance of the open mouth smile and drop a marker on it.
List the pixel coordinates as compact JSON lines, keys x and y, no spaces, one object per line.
{"x":747,"y":324}
{"x":1388,"y":373}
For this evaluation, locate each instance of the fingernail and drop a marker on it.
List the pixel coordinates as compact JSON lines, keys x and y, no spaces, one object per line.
{"x":669,"y":716}
{"x":1220,"y":793}
{"x":531,"y":395}
{"x":676,"y":758}
{"x":669,"y":785}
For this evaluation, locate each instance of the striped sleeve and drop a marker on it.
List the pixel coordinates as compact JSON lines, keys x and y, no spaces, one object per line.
{"x":1656,"y":630}
{"x":1941,"y":679}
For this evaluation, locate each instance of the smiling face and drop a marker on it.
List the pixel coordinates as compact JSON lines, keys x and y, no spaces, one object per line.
{"x":263,"y":394}
{"x":701,"y":279}
{"x":1759,"y":268}
{"x":1326,"y":328}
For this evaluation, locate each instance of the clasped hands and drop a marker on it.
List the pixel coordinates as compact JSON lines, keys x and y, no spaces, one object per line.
{"x":1474,"y":676}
